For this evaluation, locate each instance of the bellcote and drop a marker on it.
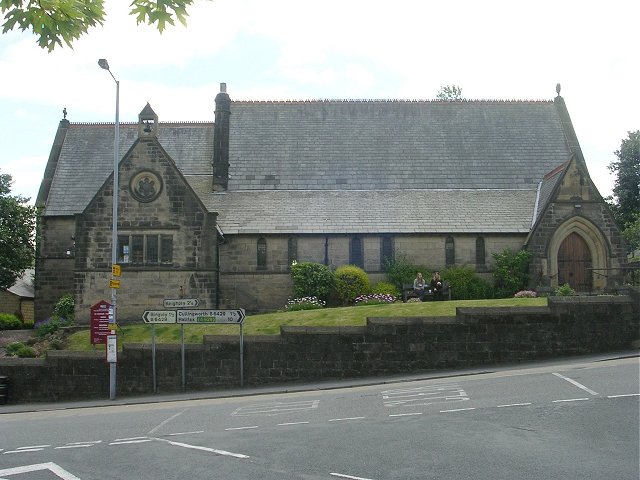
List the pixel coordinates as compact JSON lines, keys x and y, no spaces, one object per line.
{"x":147,"y":122}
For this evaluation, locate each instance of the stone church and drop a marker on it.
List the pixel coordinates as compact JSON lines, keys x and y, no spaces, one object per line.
{"x":219,"y":210}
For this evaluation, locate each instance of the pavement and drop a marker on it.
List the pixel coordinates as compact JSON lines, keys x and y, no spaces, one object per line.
{"x":309,"y":386}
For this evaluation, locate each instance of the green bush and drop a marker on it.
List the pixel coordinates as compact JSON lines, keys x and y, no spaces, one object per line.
{"x":465,"y":284}
{"x":565,"y":291}
{"x":400,"y":271}
{"x":385,"y":288}
{"x":51,"y":325}
{"x":64,"y":307}
{"x":511,"y":272}
{"x":350,"y":281}
{"x":8,"y":321}
{"x":19,"y":349}
{"x":311,"y":280}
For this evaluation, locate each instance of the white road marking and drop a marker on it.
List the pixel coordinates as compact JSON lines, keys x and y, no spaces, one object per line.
{"x":125,"y":442}
{"x":131,"y":438}
{"x":625,"y":395}
{"x":570,"y":400}
{"x":276,"y":408}
{"x":94,"y":442}
{"x":64,"y":447}
{"x":59,"y":471}
{"x":23,"y":450}
{"x":457,"y":410}
{"x":577,"y":384}
{"x":241,"y":428}
{"x":341,"y":475}
{"x":204,"y":449}
{"x":345,"y":419}
{"x":292,"y":423}
{"x":514,"y":405}
{"x":34,"y":446}
{"x":425,"y":395}
{"x":162,"y":424}
{"x":183,"y":433}
{"x":405,"y":414}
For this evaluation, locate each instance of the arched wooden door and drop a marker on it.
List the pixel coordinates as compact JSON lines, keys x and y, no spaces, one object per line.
{"x":574,"y":263}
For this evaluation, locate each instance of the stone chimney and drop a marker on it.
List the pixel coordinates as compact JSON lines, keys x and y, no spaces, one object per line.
{"x":221,"y":140}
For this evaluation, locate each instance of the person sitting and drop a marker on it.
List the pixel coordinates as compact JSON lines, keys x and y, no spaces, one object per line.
{"x":437,"y":286}
{"x":418,"y":286}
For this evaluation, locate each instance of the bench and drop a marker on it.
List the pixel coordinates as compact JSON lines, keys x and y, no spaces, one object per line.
{"x":407,"y":292}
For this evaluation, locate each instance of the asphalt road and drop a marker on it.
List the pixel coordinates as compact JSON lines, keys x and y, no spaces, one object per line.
{"x":571,"y":419}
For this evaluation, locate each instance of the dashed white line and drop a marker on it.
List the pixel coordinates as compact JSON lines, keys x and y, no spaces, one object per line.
{"x":183,"y":433}
{"x":577,"y":384}
{"x":34,"y":446}
{"x":345,"y":419}
{"x":241,"y":428}
{"x":23,"y":450}
{"x":457,"y":410}
{"x":65,"y":447}
{"x":292,"y":423}
{"x":125,"y":442}
{"x":624,"y":395}
{"x":405,"y":414}
{"x":93,"y":442}
{"x":571,"y":400}
{"x":514,"y":405}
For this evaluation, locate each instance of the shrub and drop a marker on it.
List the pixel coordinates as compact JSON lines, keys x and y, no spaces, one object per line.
{"x":8,"y":321}
{"x":304,"y":303}
{"x":311,"y":280}
{"x":526,"y":294}
{"x":565,"y":290}
{"x":350,"y":281}
{"x":50,"y":325}
{"x":375,"y":299}
{"x":64,"y":307}
{"x":19,"y":349}
{"x":400,"y":271}
{"x":466,"y":284}
{"x":386,"y":288}
{"x":511,"y":272}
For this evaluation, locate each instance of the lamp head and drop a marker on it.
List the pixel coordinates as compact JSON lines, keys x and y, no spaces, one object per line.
{"x":103,"y":63}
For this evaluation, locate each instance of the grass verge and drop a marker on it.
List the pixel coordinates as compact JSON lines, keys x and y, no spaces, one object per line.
{"x":270,"y":323}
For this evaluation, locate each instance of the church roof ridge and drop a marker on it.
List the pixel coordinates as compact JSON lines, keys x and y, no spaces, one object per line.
{"x":390,"y":100}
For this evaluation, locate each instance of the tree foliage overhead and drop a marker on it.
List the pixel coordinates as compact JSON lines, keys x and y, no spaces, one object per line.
{"x":450,"y":93}
{"x":17,"y":221}
{"x":626,"y":189}
{"x":58,"y":21}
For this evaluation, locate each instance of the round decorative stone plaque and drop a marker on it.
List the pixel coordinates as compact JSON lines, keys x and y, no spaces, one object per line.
{"x":145,"y":186}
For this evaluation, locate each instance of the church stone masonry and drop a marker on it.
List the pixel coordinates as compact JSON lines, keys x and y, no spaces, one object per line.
{"x":218,"y":211}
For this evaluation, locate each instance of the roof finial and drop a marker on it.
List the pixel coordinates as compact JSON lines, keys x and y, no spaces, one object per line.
{"x":64,"y":112}
{"x":558,"y":89}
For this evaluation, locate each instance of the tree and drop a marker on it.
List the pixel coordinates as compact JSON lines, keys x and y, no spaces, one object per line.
{"x":450,"y":93}
{"x":54,"y":22}
{"x":17,"y":221}
{"x":626,"y":189}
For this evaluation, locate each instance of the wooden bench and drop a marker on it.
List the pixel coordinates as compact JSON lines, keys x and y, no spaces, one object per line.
{"x":407,"y":292}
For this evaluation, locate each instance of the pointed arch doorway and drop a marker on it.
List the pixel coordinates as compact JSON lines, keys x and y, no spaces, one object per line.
{"x":575,"y":263}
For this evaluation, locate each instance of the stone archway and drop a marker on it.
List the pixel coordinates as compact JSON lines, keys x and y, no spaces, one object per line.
{"x":577,"y":254}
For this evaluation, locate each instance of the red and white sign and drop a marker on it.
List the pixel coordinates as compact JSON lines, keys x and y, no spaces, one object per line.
{"x":100,"y":322}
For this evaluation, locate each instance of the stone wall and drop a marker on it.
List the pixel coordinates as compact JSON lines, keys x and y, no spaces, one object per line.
{"x":474,"y":337}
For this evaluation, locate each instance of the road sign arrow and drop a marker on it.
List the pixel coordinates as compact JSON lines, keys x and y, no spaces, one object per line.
{"x":211,"y":316}
{"x":159,"y":316}
{"x":180,"y":302}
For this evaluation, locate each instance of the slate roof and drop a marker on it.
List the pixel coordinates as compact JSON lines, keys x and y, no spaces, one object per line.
{"x":347,"y":166}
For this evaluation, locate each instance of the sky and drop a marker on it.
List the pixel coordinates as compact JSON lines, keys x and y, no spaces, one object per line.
{"x":329,"y":49}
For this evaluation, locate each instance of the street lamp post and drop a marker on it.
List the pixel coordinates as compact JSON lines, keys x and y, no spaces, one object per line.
{"x":114,"y":227}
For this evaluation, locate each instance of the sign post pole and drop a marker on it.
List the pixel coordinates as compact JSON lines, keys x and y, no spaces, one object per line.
{"x":183,"y":369}
{"x":241,"y":357}
{"x":153,"y":356}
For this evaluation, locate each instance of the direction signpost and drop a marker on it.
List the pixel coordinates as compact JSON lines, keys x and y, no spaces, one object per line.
{"x":192,"y":317}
